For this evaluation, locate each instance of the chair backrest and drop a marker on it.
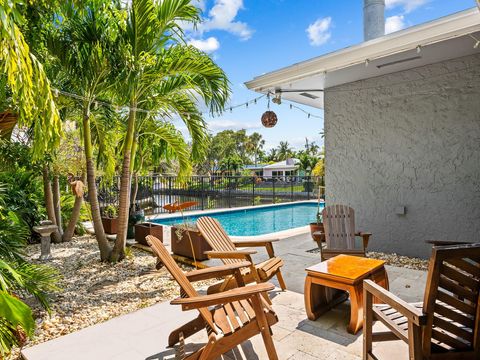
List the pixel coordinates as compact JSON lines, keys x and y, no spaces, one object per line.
{"x":177,"y":273}
{"x":339,"y":227}
{"x":216,"y":237}
{"x":451,"y":300}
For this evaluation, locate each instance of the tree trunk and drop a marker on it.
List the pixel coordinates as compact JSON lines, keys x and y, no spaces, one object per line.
{"x":135,"y":189}
{"x":118,"y":252}
{"x":77,"y":206}
{"x":103,"y":245}
{"x":48,"y":196}
{"x":57,"y":204}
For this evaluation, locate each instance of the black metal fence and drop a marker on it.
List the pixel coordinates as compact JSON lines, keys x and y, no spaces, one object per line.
{"x":212,"y":192}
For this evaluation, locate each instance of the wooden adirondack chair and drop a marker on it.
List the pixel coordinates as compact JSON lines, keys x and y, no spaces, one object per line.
{"x":230,"y":318}
{"x":340,"y":234}
{"x":226,"y":250}
{"x":446,"y":324}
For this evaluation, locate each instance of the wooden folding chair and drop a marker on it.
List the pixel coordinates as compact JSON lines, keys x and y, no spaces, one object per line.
{"x":230,"y":318}
{"x":446,"y":324}
{"x":226,"y":250}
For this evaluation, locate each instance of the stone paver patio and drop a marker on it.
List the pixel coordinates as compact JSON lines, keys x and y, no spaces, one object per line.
{"x":143,"y":334}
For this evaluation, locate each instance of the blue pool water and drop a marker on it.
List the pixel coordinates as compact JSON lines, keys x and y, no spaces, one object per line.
{"x":258,"y":221}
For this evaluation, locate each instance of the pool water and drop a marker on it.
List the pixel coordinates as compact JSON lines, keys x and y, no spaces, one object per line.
{"x":258,"y":221}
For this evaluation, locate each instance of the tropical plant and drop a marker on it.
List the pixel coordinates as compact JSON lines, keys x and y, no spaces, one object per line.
{"x":161,"y":73}
{"x":307,"y":162}
{"x":18,"y":279}
{"x":255,"y":145}
{"x":84,"y":43}
{"x":32,"y":98}
{"x":284,"y":151}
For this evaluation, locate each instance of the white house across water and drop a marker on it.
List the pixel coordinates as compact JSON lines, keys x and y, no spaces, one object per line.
{"x":402,"y":129}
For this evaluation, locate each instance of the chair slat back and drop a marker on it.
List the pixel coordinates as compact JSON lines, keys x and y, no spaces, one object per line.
{"x":339,"y":227}
{"x":216,"y":237}
{"x":452,"y":300}
{"x":187,"y":290}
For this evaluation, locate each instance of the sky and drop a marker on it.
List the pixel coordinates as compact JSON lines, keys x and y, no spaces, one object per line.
{"x":248,"y":38}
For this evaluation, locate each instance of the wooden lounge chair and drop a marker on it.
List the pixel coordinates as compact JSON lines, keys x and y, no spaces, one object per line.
{"x":230,"y":318}
{"x":446,"y":324}
{"x":340,"y":234}
{"x":225,"y":249}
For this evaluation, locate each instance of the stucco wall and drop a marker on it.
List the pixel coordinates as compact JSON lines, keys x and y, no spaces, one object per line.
{"x":409,"y":139}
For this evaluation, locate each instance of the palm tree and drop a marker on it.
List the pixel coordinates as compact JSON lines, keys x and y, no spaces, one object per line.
{"x":284,"y":150}
{"x":272,"y":155}
{"x":160,"y":71}
{"x":84,"y":43}
{"x":255,"y":144}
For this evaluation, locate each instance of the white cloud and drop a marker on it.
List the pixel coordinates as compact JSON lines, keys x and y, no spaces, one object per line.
{"x":220,"y":125}
{"x":407,"y":5}
{"x":319,"y":32}
{"x":222,"y":17}
{"x":394,"y":23}
{"x":208,"y":45}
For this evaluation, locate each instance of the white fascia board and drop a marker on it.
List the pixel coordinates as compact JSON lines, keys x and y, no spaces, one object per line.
{"x":458,"y":24}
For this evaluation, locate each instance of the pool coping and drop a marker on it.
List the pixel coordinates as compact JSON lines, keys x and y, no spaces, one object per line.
{"x":276,"y":235}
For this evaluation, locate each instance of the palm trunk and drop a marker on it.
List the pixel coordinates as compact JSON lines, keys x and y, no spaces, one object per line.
{"x":77,"y":206}
{"x":48,"y":196}
{"x":57,"y":205}
{"x":118,"y":252}
{"x":103,"y":245}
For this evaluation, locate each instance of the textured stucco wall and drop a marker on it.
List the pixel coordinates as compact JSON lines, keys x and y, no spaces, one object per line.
{"x":409,"y":139}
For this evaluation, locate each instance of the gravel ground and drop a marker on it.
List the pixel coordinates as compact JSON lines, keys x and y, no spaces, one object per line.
{"x":393,"y":259}
{"x":93,"y":292}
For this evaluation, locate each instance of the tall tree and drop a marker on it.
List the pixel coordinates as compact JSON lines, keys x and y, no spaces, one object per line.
{"x":158,"y":68}
{"x":255,"y":145}
{"x":284,"y":150}
{"x":84,"y":43}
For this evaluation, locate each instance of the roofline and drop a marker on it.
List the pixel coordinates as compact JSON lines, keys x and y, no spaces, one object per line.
{"x":451,"y":26}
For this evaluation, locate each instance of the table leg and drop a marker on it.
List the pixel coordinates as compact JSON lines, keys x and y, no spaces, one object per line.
{"x":319,"y":299}
{"x":356,"y":309}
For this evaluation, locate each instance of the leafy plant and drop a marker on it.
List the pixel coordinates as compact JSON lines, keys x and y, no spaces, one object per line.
{"x":18,"y":279}
{"x":110,"y":211}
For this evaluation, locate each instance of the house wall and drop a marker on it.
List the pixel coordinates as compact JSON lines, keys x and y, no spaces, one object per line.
{"x":408,"y":139}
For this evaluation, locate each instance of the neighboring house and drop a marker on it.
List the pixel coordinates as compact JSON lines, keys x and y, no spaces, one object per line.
{"x":279,"y":170}
{"x":402,"y":130}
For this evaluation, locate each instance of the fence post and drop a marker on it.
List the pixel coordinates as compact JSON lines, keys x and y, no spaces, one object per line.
{"x":291,"y":189}
{"x":229,"y":192}
{"x":202,"y":192}
{"x":273,"y":190}
{"x":170,"y":189}
{"x":308,"y":187}
{"x":253,"y":190}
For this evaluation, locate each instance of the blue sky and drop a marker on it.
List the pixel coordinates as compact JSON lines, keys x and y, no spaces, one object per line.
{"x":251,"y":37}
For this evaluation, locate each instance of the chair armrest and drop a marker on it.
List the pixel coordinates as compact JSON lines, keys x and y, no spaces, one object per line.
{"x":365,"y":237}
{"x":253,"y":243}
{"x":404,"y":308}
{"x":216,"y":271}
{"x":237,"y":254}
{"x":446,"y":242}
{"x":222,"y":297}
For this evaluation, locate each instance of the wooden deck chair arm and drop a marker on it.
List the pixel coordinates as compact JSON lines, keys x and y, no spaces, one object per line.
{"x":267,"y":243}
{"x":222,"y":297}
{"x":410,"y":312}
{"x":365,"y":237}
{"x":216,"y":271}
{"x":446,"y":242}
{"x":237,"y":254}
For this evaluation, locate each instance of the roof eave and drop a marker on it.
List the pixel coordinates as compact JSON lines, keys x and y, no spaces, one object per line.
{"x":448,"y":27}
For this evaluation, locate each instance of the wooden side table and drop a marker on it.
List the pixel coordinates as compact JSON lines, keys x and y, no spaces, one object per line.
{"x":328,"y":282}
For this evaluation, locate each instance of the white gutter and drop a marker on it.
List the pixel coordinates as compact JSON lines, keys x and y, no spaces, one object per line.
{"x":459,"y":24}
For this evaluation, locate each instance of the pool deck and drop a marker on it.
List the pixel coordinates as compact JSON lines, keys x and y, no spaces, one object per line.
{"x":143,"y":334}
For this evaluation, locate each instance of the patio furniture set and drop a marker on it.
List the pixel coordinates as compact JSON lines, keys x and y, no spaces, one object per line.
{"x":444,"y":326}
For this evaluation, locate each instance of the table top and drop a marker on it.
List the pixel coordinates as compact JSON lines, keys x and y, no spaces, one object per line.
{"x":346,"y":266}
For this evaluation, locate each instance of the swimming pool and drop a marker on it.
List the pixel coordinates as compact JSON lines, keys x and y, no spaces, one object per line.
{"x":257,"y":220}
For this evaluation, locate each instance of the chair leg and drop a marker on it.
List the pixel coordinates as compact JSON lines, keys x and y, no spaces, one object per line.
{"x":264,"y":327}
{"x":281,"y":281}
{"x":367,"y":324}
{"x":414,"y":342}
